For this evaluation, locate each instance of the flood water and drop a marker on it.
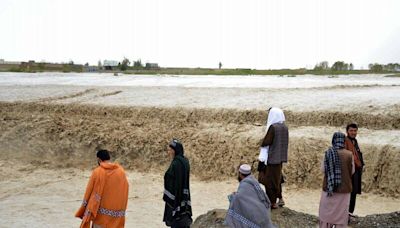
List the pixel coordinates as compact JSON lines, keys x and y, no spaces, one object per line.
{"x":373,"y":93}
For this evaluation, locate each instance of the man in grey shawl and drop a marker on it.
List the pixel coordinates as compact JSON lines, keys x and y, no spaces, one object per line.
{"x":249,"y":206}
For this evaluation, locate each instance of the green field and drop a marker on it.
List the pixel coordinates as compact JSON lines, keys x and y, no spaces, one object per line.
{"x":182,"y":71}
{"x":208,"y":71}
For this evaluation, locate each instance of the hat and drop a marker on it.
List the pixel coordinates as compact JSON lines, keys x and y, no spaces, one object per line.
{"x":245,"y":169}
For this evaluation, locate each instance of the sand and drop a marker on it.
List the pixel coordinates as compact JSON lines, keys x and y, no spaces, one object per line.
{"x":32,"y":196}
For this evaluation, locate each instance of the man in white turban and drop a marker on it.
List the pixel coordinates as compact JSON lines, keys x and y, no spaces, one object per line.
{"x":273,"y":152}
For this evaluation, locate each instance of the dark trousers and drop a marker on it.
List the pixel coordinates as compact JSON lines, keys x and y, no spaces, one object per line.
{"x":272,"y":182}
{"x":280,"y":189}
{"x":356,"y":181}
{"x":353,"y":196}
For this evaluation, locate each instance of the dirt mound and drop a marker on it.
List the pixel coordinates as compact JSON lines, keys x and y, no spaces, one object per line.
{"x":282,"y":217}
{"x":215,"y":140}
{"x":285,"y":217}
{"x":379,"y":220}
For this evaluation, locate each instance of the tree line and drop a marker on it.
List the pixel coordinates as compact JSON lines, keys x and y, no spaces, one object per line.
{"x":125,"y":64}
{"x":343,"y":66}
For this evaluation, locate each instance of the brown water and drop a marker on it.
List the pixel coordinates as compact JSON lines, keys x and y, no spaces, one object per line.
{"x":49,"y":132}
{"x":216,"y":140}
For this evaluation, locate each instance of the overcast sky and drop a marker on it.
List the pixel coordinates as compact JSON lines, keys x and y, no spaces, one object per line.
{"x":260,"y":34}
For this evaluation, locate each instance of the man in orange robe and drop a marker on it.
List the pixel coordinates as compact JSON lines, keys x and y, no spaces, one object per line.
{"x":106,"y":196}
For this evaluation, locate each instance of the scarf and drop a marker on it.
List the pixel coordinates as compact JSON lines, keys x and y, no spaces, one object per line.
{"x":352,"y":145}
{"x":275,"y":115}
{"x":332,"y":163}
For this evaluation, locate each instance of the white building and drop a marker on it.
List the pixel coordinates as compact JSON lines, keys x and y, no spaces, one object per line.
{"x":110,"y":64}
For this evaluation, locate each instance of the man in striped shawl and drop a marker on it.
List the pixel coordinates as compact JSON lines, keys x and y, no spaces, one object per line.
{"x":337,"y":166}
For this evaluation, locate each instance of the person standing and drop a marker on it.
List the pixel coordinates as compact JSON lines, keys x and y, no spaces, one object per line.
{"x":337,"y":166}
{"x":273,"y":152}
{"x":351,"y":144}
{"x":178,"y":209}
{"x":106,"y":196}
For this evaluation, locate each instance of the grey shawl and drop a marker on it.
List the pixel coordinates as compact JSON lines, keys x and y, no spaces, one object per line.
{"x":249,"y":206}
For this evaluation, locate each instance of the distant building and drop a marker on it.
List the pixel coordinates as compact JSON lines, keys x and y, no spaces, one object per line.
{"x":152,"y":66}
{"x":27,"y":64}
{"x":90,"y":68}
{"x":110,"y":64}
{"x":2,"y":61}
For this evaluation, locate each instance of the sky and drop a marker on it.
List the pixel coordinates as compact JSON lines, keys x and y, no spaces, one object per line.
{"x":257,"y":34}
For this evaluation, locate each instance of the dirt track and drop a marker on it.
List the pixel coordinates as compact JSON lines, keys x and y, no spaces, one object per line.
{"x":36,"y":197}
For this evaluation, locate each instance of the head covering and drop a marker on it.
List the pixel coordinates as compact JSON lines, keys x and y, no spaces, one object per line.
{"x":275,"y":115}
{"x":178,"y":209}
{"x":245,"y":169}
{"x":332,"y":163}
{"x":177,"y":146}
{"x":338,"y":140}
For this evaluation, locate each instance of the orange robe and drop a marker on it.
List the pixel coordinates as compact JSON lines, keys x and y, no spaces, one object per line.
{"x":106,"y":197}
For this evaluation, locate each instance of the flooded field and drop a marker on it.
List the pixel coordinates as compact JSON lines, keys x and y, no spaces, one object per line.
{"x":374,"y":94}
{"x":51,"y":124}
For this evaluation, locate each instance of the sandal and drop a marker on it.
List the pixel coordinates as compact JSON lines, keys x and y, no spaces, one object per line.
{"x":281,"y":203}
{"x":353,"y":215}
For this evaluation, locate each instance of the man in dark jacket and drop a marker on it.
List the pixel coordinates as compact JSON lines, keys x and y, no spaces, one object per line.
{"x":352,"y":145}
{"x":178,"y":210}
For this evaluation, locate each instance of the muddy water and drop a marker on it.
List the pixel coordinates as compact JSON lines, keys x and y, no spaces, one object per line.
{"x":204,"y":81}
{"x":56,"y":122}
{"x":215,"y":140}
{"x":371,"y":100}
